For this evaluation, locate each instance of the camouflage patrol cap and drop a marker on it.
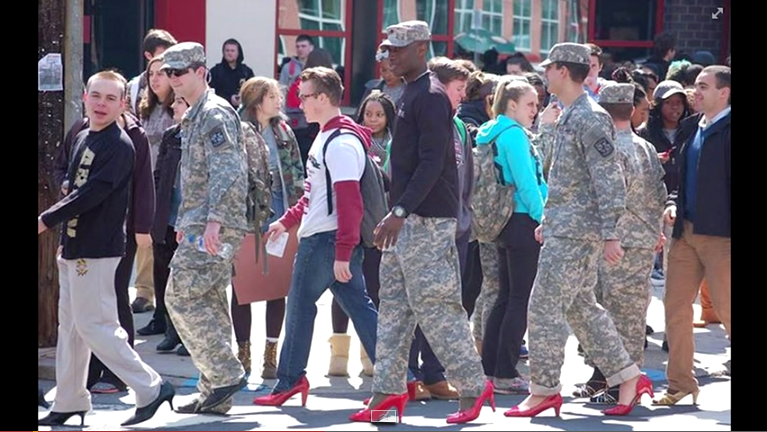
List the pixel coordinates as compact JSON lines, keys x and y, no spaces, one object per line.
{"x":617,"y":93}
{"x":568,"y":52}
{"x":183,"y":55}
{"x":405,"y":33}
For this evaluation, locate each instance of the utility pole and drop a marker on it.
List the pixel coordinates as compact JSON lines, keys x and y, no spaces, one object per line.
{"x":50,"y":116}
{"x":73,"y":63}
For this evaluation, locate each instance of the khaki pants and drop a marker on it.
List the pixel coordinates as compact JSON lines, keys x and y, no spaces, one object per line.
{"x":88,"y":322}
{"x":691,"y":258}
{"x":144,"y":273}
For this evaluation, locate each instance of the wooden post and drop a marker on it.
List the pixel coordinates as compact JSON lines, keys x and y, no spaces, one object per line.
{"x":73,"y":63}
{"x":50,"y":115}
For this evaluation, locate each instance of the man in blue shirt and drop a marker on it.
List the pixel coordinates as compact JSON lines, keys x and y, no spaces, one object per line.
{"x":700,"y":213}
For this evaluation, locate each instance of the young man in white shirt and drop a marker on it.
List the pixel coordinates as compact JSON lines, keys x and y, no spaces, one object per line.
{"x":329,"y":252}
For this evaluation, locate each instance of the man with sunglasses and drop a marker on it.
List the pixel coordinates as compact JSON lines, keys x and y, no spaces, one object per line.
{"x":213,"y":195}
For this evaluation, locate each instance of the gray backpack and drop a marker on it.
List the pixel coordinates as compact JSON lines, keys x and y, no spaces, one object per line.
{"x":372,"y":188}
{"x":493,"y":201}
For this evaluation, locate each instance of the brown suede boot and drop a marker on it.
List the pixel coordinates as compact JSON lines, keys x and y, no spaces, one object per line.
{"x":269,"y":368}
{"x":243,"y":354}
{"x":707,"y":314}
{"x":442,"y":390}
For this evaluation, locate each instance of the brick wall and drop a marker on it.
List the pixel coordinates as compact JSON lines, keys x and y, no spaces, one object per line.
{"x":694,"y":28}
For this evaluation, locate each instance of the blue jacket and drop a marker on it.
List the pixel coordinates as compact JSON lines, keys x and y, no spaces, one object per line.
{"x":520,"y":163}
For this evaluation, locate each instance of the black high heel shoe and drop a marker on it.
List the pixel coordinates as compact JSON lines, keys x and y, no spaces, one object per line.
{"x":59,"y":418}
{"x":221,"y":394}
{"x":146,"y":412}
{"x":41,"y":399}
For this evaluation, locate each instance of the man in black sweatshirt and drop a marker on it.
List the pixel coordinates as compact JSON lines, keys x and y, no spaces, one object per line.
{"x":420,"y":277}
{"x":92,"y":244}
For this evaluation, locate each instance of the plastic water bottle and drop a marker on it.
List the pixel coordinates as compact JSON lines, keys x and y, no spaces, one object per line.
{"x":225,"y":251}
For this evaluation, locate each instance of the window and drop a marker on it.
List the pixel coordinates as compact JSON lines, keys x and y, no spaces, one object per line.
{"x":492,"y":16}
{"x":433,"y":12}
{"x":549,"y":25}
{"x":625,"y":20}
{"x":576,"y":30}
{"x":523,"y":11}
{"x":464,"y":16}
{"x":328,"y":22}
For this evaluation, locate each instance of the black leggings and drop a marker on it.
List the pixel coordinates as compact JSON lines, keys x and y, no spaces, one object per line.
{"x":507,"y":323}
{"x":162,"y":254}
{"x":242,"y":318}
{"x":370,"y":265}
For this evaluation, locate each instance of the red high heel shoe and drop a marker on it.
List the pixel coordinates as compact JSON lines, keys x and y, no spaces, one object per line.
{"x":277,"y":399}
{"x":553,"y":401}
{"x":472,"y":413}
{"x":410,"y":393}
{"x":372,"y":415}
{"x":644,"y":385}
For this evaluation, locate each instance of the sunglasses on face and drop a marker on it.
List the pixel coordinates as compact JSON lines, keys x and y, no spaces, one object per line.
{"x":176,"y":72}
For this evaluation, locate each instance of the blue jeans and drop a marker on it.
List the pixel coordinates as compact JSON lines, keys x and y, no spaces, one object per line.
{"x":278,"y":206}
{"x":312,"y":275}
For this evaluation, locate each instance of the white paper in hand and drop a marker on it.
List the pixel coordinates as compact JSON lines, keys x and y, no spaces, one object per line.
{"x":276,"y":245}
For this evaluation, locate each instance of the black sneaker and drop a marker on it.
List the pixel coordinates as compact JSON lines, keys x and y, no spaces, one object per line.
{"x":154,"y":327}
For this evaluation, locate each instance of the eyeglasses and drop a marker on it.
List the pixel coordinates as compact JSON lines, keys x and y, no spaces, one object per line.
{"x":304,"y":97}
{"x":176,"y":72}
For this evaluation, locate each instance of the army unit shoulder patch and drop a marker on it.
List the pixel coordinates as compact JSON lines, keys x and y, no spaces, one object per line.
{"x":217,"y":136}
{"x":604,"y":147}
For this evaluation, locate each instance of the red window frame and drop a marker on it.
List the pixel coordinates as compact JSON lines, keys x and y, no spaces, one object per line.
{"x":346,"y":35}
{"x":624,"y":43}
{"x":449,"y":38}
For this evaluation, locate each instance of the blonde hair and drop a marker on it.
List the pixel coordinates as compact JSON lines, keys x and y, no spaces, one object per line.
{"x":252,"y":94}
{"x":509,"y":89}
{"x":109,"y":75}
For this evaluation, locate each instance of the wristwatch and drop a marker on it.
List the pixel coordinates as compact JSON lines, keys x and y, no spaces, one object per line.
{"x":399,"y":211}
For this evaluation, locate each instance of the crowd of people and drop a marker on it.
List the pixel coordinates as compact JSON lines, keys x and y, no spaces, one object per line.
{"x":610,"y":180}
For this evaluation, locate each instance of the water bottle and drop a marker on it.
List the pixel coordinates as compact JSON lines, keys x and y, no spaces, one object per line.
{"x":224,"y":251}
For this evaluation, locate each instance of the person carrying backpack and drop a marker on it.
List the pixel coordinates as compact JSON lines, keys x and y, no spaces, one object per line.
{"x":261,"y":102}
{"x":333,"y":227}
{"x":514,"y":108}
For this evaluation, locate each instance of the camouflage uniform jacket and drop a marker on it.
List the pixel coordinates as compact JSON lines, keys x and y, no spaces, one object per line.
{"x":290,"y":162}
{"x":543,"y":142}
{"x":586,"y":187}
{"x":640,"y":224}
{"x":213,"y":165}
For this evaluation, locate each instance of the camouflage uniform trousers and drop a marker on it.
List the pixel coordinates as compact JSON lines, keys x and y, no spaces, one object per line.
{"x":197,"y":303}
{"x":488,"y":256}
{"x":420,"y":283}
{"x":623,"y":290}
{"x":564,"y":294}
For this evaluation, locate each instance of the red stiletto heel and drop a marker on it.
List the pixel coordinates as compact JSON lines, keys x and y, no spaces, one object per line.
{"x":277,"y":399}
{"x":553,"y":401}
{"x":643,"y":386}
{"x":472,"y":413}
{"x":372,"y":415}
{"x":410,"y":393}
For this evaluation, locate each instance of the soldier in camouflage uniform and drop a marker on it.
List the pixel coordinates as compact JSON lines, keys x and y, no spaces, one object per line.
{"x":488,"y":256}
{"x":586,"y":199}
{"x":213,"y":189}
{"x":420,"y":282}
{"x":624,"y":289}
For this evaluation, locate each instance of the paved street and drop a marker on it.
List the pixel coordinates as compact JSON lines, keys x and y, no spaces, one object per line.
{"x":332,"y":399}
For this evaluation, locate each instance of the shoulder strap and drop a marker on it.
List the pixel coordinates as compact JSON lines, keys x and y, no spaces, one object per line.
{"x":328,"y":183}
{"x":461,"y":129}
